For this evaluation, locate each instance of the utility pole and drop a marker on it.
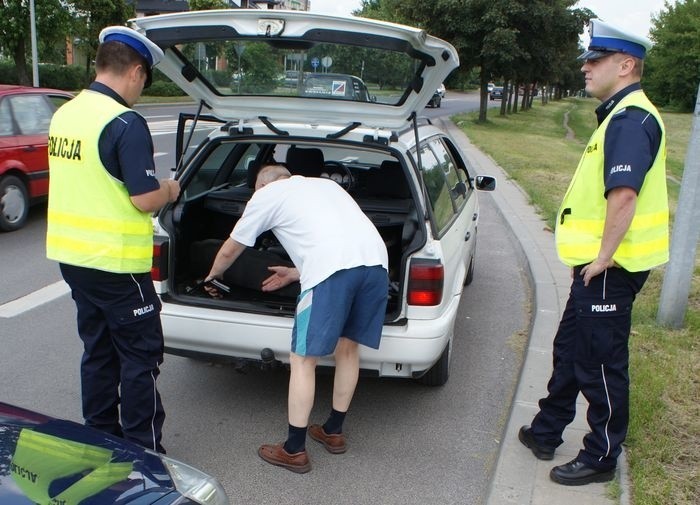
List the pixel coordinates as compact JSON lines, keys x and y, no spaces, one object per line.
{"x":686,"y":229}
{"x":35,"y":56}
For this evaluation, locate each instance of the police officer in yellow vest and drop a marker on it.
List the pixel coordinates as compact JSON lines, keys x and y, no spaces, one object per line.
{"x":102,"y":193}
{"x":612,"y":228}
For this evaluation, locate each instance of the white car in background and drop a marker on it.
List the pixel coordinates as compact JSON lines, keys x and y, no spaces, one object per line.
{"x":407,"y":175}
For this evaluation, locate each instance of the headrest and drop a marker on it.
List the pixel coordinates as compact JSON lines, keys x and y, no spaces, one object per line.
{"x":388,"y":181}
{"x":252,"y":173}
{"x":305,"y":161}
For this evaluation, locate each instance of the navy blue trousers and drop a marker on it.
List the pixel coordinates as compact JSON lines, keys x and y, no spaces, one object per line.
{"x":119,"y":324}
{"x":591,"y":356}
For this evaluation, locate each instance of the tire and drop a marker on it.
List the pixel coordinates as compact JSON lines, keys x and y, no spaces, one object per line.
{"x":440,"y":371}
{"x":14,"y":203}
{"x":470,"y":273}
{"x":438,"y":103}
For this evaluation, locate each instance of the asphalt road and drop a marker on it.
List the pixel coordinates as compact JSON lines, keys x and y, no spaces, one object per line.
{"x":408,"y":444}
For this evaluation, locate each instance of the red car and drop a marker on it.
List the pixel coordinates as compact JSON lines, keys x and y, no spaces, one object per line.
{"x":25,"y":114}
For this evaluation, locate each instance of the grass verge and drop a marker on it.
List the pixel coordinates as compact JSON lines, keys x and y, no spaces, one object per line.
{"x":663,"y":443}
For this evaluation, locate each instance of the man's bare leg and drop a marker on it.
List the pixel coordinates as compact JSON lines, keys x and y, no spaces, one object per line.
{"x":347,"y":371}
{"x":302,"y":387}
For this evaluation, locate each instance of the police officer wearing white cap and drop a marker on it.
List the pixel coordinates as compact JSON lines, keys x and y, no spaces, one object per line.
{"x":102,"y":194}
{"x":612,"y":229}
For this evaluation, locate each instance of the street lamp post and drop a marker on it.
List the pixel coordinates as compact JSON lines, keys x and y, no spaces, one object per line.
{"x":35,"y":56}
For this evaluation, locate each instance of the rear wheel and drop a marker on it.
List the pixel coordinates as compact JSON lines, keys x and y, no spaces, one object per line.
{"x":440,"y":371}
{"x":470,"y":273}
{"x":14,"y":203}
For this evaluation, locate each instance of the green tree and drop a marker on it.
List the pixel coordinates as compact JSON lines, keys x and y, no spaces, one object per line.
{"x":91,"y":16}
{"x":261,"y":67}
{"x":207,"y":5}
{"x":523,"y":41}
{"x":673,"y":65}
{"x":52,"y":26}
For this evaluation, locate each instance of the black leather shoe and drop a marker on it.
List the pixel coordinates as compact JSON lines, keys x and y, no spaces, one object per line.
{"x":576,"y":473}
{"x":540,"y":451}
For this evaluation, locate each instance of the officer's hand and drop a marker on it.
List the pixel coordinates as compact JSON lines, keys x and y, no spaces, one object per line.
{"x":594,"y":269}
{"x":174,"y":189}
{"x":282,"y":276}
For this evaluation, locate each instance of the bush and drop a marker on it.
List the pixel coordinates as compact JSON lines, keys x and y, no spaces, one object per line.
{"x":220,"y":78}
{"x":69,"y":77}
{"x":162,"y":88}
{"x":8,"y":73}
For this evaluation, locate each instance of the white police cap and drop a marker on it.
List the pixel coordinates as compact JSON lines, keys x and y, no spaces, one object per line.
{"x":607,"y":39}
{"x":139,"y":43}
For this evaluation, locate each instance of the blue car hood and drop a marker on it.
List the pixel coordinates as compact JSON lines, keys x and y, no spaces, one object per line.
{"x":50,"y":461}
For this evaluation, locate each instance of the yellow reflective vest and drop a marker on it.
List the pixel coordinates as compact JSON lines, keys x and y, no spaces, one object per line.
{"x":91,"y":220}
{"x":581,"y":219}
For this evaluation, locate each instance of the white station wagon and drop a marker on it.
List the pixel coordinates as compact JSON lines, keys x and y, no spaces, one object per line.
{"x":407,"y":175}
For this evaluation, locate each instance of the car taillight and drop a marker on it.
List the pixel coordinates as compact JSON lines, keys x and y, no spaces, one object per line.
{"x":425,"y":281}
{"x":159,"y":268}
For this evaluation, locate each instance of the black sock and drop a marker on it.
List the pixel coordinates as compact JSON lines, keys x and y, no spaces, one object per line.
{"x":296,"y":441}
{"x":334,"y":425}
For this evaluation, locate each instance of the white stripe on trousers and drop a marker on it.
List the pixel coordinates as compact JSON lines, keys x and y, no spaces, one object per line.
{"x":155,"y":408}
{"x":607,"y":397}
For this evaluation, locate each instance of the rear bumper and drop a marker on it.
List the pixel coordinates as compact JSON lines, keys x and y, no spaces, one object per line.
{"x":408,"y":350}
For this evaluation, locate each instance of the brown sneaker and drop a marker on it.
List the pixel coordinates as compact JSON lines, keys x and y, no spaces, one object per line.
{"x":334,"y":443}
{"x":276,"y":455}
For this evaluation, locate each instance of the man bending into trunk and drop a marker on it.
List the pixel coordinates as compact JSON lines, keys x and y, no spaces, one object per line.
{"x":341,"y":263}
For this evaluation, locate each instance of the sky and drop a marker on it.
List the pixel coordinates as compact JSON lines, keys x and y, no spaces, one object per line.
{"x":632,"y":15}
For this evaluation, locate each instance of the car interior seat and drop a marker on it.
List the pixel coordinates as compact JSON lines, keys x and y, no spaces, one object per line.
{"x":252,"y":173}
{"x":388,"y":181}
{"x":305,"y":161}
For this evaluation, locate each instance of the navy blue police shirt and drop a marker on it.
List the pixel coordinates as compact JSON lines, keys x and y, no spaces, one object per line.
{"x":126,"y":148}
{"x":632,"y":141}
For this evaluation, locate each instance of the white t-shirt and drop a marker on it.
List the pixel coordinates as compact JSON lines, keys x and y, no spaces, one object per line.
{"x":319,"y":225}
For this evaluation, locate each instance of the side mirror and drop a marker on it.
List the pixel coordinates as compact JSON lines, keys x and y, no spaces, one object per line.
{"x":485,"y":182}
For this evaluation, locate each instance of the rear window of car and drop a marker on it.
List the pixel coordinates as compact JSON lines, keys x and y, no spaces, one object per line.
{"x":438,"y":190}
{"x":32,"y":113}
{"x":449,"y":169}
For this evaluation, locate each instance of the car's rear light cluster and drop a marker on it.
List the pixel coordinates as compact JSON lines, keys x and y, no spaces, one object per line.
{"x":159,"y":268}
{"x":426,"y":279}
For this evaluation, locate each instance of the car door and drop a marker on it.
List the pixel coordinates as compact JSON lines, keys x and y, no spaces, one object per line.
{"x":463,"y":194}
{"x":8,"y":138}
{"x":32,"y":114}
{"x":450,"y":200}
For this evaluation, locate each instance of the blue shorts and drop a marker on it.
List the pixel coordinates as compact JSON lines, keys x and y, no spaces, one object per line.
{"x":350,"y":303}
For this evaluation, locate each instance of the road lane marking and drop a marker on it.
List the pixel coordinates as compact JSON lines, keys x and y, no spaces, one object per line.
{"x":34,"y":300}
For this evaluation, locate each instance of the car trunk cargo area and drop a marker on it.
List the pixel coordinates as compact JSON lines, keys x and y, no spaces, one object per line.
{"x":204,"y":220}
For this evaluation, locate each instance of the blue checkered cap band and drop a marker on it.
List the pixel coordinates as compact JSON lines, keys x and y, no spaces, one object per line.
{"x":606,"y":39}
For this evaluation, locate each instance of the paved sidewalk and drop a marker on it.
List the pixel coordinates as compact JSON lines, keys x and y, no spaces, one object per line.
{"x":520,"y":478}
